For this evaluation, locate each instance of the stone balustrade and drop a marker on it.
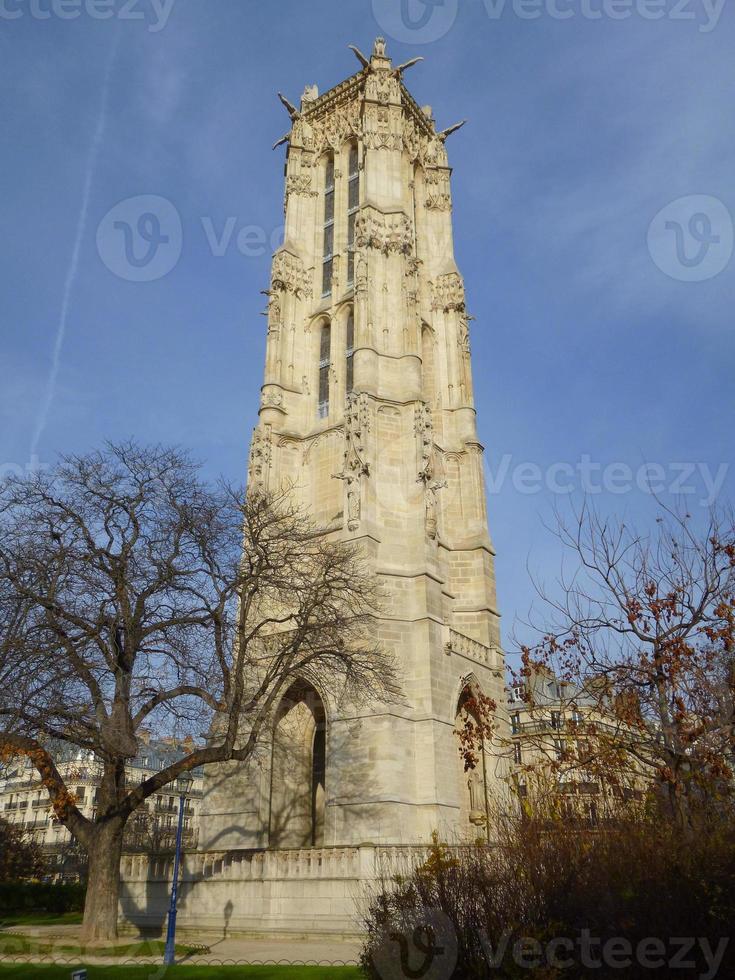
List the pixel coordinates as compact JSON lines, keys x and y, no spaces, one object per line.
{"x":256,"y":865}
{"x":466,"y":646}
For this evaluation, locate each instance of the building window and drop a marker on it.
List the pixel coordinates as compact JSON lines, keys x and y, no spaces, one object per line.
{"x":577,"y":716}
{"x":350,"y":353}
{"x":556,"y":720}
{"x":515,"y":721}
{"x":353,"y":204}
{"x":325,"y":343}
{"x":328,"y":251}
{"x":559,"y":749}
{"x":517,"y":753}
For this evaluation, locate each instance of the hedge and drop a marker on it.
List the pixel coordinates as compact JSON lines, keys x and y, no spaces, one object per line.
{"x":37,"y":896}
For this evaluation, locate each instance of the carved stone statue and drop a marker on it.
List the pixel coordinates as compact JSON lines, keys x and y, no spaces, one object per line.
{"x":477,"y":798}
{"x":431,"y":512}
{"x":354,"y":503}
{"x":361,"y":276}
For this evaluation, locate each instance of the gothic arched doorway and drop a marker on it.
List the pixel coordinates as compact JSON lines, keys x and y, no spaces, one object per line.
{"x":298,"y":770}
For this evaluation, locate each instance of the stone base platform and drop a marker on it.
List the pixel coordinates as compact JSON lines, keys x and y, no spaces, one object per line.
{"x":288,"y":894}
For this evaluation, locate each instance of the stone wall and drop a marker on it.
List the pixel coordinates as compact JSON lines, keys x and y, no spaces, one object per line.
{"x":317,"y":891}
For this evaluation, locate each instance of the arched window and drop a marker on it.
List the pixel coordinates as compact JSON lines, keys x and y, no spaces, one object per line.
{"x":353,"y":204}
{"x":328,"y":251}
{"x":350,"y":353}
{"x":298,"y":770}
{"x":325,"y":347}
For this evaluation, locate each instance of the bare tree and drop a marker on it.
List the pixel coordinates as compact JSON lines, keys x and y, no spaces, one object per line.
{"x":644,"y":629}
{"x":134,"y":595}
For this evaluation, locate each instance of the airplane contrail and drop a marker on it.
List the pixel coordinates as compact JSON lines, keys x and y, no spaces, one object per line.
{"x":73,"y":269}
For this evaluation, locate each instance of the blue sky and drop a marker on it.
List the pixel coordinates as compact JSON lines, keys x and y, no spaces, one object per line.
{"x":581,"y":132}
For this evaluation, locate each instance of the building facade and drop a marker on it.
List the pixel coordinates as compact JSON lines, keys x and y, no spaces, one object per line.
{"x":25,"y":802}
{"x":570,"y":757}
{"x":367,"y":419}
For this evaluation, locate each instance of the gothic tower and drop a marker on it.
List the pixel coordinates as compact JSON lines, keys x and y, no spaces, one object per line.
{"x":367,"y":415}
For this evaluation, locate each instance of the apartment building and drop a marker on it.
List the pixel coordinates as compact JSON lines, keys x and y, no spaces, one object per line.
{"x":24,"y":801}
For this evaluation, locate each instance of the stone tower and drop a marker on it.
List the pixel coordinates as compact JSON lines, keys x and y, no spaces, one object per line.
{"x":367,"y":415}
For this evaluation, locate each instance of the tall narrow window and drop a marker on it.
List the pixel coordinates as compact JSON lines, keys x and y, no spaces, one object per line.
{"x":325,"y":343}
{"x":328,"y":252}
{"x":353,"y":203}
{"x":350,"y":352}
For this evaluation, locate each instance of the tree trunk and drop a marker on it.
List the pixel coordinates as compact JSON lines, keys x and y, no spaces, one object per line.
{"x":103,"y":884}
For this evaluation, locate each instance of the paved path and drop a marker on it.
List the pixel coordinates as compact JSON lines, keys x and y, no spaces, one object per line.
{"x":232,"y":948}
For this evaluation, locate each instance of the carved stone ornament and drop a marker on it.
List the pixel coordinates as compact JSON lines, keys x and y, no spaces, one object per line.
{"x":361,"y":273}
{"x":261,"y":454}
{"x":448,"y":293}
{"x":384,"y":232}
{"x":271,"y":399}
{"x":333,"y":129}
{"x":382,"y":87}
{"x":438,"y":196}
{"x":355,"y":467}
{"x":275,"y":314}
{"x":430,"y":467}
{"x":353,"y":113}
{"x":300,"y":185}
{"x":464,"y":333}
{"x":289,"y":274}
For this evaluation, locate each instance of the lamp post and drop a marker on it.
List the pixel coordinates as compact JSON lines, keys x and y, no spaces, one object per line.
{"x":186,"y":781}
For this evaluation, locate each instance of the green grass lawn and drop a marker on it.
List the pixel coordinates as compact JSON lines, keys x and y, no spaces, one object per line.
{"x":32,"y":972}
{"x":41,"y":919}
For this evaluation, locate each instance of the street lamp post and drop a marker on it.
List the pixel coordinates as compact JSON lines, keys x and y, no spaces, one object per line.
{"x":185,"y":783}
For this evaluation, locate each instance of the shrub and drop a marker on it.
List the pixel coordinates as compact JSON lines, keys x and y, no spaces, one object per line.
{"x":629,"y":884}
{"x":20,"y":855}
